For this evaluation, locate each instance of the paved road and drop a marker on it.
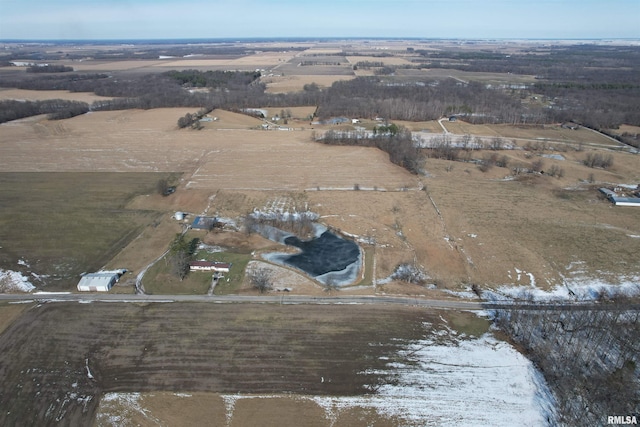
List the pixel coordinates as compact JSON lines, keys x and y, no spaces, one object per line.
{"x":304,"y":299}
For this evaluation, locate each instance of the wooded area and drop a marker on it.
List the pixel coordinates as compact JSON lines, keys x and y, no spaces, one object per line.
{"x":588,"y":357}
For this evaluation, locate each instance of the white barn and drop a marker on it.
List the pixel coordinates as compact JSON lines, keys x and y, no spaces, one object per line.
{"x":100,"y":281}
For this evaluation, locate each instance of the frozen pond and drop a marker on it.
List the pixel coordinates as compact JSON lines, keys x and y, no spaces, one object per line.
{"x":327,"y":257}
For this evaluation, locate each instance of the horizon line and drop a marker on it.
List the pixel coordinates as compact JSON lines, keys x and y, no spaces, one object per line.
{"x":307,"y":38}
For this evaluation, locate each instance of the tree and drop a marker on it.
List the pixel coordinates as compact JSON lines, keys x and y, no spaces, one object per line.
{"x":180,"y":264}
{"x":180,"y":252}
{"x":261,"y":279}
{"x":162,"y":186}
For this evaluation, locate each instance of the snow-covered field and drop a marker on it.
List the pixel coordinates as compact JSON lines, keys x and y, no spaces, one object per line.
{"x":443,"y":380}
{"x":479,"y":381}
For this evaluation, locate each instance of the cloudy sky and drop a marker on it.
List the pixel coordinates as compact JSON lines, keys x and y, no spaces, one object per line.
{"x":154,"y":19}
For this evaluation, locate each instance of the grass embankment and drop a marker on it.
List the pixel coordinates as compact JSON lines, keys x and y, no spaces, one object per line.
{"x":63,"y":224}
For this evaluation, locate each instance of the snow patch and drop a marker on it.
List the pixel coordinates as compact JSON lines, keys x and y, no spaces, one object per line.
{"x":14,"y":281}
{"x":572,"y":289}
{"x":463,"y":382}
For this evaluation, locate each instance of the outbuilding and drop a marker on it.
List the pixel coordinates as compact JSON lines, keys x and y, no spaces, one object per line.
{"x":100,"y":281}
{"x":626,"y":201}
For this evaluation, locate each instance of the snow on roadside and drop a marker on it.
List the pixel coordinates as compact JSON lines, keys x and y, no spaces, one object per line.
{"x":14,"y":281}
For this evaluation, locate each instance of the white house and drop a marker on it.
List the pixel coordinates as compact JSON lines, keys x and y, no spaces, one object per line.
{"x":220,"y":267}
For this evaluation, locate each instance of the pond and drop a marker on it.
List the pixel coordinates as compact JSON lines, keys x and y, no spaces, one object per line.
{"x":326,"y":257}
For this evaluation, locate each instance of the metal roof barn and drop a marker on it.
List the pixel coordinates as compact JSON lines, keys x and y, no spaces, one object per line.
{"x":101,"y":281}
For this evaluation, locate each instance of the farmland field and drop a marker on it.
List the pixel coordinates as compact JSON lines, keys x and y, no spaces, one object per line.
{"x":229,"y":349}
{"x":330,"y":365}
{"x":69,"y":223}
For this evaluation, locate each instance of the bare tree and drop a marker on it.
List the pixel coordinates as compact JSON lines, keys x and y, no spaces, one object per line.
{"x":261,"y":279}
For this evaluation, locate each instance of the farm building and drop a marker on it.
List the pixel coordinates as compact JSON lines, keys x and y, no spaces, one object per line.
{"x":100,"y":281}
{"x":620,"y":201}
{"x":203,"y":223}
{"x":626,"y":201}
{"x":220,"y":267}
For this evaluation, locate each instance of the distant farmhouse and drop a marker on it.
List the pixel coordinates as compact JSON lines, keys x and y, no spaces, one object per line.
{"x":219,"y":267}
{"x":618,"y":200}
{"x":101,"y":281}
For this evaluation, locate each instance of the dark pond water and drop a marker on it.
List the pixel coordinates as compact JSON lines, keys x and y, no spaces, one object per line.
{"x":322,"y":254}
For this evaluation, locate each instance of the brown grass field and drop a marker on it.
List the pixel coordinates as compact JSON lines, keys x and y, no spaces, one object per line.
{"x":542,"y":133}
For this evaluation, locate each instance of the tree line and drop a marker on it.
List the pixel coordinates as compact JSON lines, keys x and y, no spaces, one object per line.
{"x":55,"y":108}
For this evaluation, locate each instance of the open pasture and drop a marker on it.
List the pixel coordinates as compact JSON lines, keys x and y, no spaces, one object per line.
{"x":467,"y":76}
{"x":537,"y":224}
{"x":386,"y":60}
{"x":248,"y":62}
{"x":228,"y":156}
{"x":295,"y":83}
{"x":289,"y":160}
{"x":542,"y":133}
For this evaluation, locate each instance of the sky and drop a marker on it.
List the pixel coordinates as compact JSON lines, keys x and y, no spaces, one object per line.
{"x":170,"y":19}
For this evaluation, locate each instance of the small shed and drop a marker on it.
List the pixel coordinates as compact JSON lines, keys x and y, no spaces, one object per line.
{"x":100,"y":281}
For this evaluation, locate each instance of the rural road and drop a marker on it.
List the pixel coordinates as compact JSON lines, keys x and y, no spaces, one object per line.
{"x":305,"y":299}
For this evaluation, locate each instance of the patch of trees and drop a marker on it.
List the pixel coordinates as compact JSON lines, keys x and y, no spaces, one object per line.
{"x":312,"y":63}
{"x":366,"y":65}
{"x":418,"y":101}
{"x":55,"y":108}
{"x":193,"y":120}
{"x":49,"y":68}
{"x":489,"y":160}
{"x":397,"y":141}
{"x":597,"y":160}
{"x":409,"y":273}
{"x":214,"y":79}
{"x":589,"y":358}
{"x":298,"y":223}
{"x":603,"y":94}
{"x":180,"y":253}
{"x":73,"y":82}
